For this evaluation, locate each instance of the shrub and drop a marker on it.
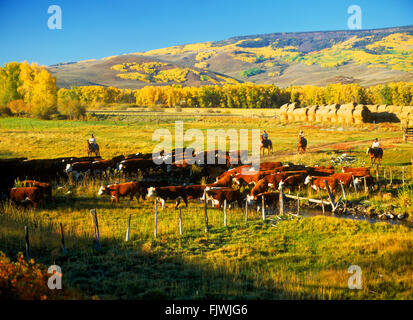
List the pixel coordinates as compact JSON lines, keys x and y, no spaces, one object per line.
{"x":5,"y":112}
{"x":18,"y":106}
{"x":72,"y":109}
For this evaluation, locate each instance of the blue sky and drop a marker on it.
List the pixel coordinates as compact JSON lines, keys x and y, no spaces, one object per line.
{"x":100,"y":28}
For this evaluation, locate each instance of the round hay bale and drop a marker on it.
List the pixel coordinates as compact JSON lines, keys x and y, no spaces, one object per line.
{"x":300,"y":114}
{"x":372,"y":107}
{"x":361,"y":114}
{"x":290,"y":111}
{"x":311,"y":113}
{"x":319,"y":114}
{"x":382,"y":108}
{"x":397,"y":109}
{"x":345,"y":113}
{"x":283,"y":112}
{"x":332,"y":113}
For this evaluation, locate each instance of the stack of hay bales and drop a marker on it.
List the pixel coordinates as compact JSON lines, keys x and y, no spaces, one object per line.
{"x":300,"y":114}
{"x":311,"y":113}
{"x":381,"y":115}
{"x":319,"y":114}
{"x":283,"y":112}
{"x":405,"y":115}
{"x":332,"y":113}
{"x":290,"y":111}
{"x":361,"y":114}
{"x":345,"y":113}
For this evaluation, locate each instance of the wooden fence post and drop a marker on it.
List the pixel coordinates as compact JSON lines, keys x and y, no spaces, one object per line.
{"x":365,"y":185}
{"x":391,"y":179}
{"x":225,"y":212}
{"x":321,"y":197}
{"x":180,"y":222}
{"x":263,"y":207}
{"x":354,"y":184}
{"x":343,"y":191}
{"x":377,"y":172}
{"x":206,"y":212}
{"x":62,"y":238}
{"x":246,"y":210}
{"x":128,"y":230}
{"x":403,"y":175}
{"x":298,"y":203}
{"x":281,"y":199}
{"x":156,"y":218}
{"x":96,"y":241}
{"x":26,"y":230}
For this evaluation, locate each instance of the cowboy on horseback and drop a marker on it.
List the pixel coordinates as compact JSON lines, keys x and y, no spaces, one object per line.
{"x":265,"y":136}
{"x":92,"y":142}
{"x":376,"y":145}
{"x":302,"y":142}
{"x":301,"y":134}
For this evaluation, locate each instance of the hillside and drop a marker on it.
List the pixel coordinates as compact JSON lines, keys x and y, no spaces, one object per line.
{"x":367,"y":57}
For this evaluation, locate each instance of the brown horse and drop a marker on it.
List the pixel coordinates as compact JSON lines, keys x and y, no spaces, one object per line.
{"x":91,"y":150}
{"x":375,"y":153}
{"x":301,"y":145}
{"x":266,"y":144}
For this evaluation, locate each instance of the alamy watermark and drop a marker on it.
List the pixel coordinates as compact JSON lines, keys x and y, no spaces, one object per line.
{"x":55,"y":280}
{"x":55,"y":20}
{"x":355,"y":280}
{"x":354,"y":21}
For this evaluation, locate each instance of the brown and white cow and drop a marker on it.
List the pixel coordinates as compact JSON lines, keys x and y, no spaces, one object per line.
{"x":23,"y":195}
{"x":44,"y":187}
{"x":78,"y":168}
{"x":357,"y":172}
{"x":162,"y":194}
{"x":219,"y":195}
{"x":101,"y":166}
{"x":292,"y":182}
{"x":226,"y":181}
{"x":131,"y":189}
{"x":195,"y":191}
{"x":271,"y":199}
{"x":345,"y":178}
{"x":318,"y":183}
{"x":260,"y":187}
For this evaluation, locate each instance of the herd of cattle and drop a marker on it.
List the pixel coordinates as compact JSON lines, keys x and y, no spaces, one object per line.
{"x":225,"y":181}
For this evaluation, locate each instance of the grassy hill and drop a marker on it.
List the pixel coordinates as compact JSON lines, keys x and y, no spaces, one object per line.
{"x":367,"y":57}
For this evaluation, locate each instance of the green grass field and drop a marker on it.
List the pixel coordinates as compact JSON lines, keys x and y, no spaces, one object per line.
{"x":294,"y":258}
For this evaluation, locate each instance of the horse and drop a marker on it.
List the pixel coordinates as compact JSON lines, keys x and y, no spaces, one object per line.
{"x":266,"y":144}
{"x":375,"y":153}
{"x":301,"y":145}
{"x":91,"y":150}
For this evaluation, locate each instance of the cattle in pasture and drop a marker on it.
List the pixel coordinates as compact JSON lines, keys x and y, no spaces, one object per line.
{"x":226,"y":181}
{"x":131,"y":189}
{"x":275,"y":178}
{"x":162,"y":194}
{"x":357,"y":172}
{"x":219,"y":195}
{"x":271,"y":199}
{"x":260,"y":187}
{"x":195,"y":191}
{"x":26,"y":195}
{"x":292,"y":182}
{"x":45,"y":188}
{"x":103,"y":166}
{"x":345,"y":178}
{"x":318,"y":183}
{"x":78,"y":168}
{"x":247,"y":179}
{"x":132,"y":166}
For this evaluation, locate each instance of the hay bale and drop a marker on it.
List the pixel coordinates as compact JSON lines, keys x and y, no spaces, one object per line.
{"x":311,"y":113}
{"x":300,"y":114}
{"x":290,"y":111}
{"x":361,"y":114}
{"x":320,"y":113}
{"x":345,"y":113}
{"x":332,"y":113}
{"x":283,"y":112}
{"x":372,"y":107}
{"x":397,"y":110}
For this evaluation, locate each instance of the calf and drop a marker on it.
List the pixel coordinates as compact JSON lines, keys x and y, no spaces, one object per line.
{"x":177,"y":193}
{"x":318,"y":183}
{"x":45,"y":188}
{"x":131,"y":189}
{"x":219,"y":195}
{"x":292,"y":182}
{"x":345,"y":178}
{"x":22,"y":195}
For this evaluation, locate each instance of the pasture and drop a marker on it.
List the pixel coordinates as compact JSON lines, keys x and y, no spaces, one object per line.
{"x":292,"y":258}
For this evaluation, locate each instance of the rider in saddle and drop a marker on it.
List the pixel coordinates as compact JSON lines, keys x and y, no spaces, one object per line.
{"x":92,"y":141}
{"x":265,"y":136}
{"x":375,"y":145}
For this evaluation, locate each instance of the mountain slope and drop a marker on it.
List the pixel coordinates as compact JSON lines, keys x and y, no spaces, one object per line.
{"x":367,"y":57}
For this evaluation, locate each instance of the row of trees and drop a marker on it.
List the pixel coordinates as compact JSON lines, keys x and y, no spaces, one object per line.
{"x":31,"y":89}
